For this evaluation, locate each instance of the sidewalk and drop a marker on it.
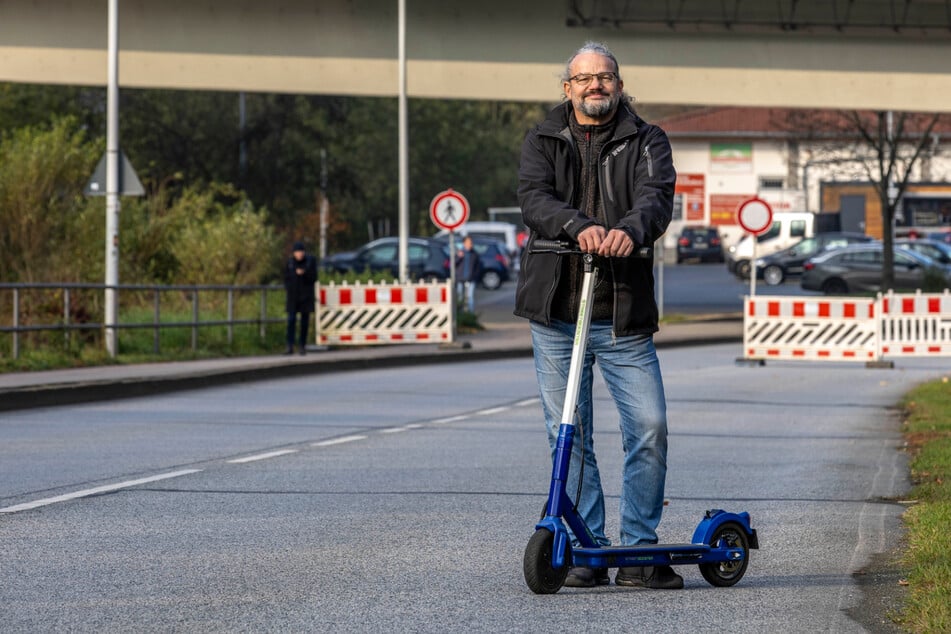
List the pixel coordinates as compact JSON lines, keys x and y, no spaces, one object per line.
{"x":500,"y":339}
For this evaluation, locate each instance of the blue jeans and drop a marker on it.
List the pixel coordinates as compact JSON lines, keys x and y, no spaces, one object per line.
{"x":466,"y":290}
{"x":631,"y":371}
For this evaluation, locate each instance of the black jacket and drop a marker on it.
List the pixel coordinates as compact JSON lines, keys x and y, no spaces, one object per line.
{"x":636,"y":178}
{"x":470,"y":271}
{"x":300,"y":288}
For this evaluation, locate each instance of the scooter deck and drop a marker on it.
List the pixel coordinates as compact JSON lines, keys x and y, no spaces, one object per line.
{"x":653,"y":555}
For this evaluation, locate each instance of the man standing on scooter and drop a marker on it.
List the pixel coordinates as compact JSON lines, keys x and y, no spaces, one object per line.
{"x":596,"y":173}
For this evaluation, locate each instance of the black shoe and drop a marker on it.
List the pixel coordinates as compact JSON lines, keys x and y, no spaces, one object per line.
{"x":658,"y":577}
{"x":303,"y":351}
{"x":289,"y":350}
{"x":581,"y":577}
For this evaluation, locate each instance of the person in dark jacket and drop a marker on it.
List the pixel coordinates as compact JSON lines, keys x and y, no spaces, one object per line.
{"x":300,"y":275}
{"x":468,"y":273}
{"x":595,"y":173}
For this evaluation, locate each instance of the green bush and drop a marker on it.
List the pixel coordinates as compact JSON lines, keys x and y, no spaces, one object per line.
{"x":934,"y":280}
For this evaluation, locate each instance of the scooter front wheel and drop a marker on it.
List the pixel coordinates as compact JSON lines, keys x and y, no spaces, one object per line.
{"x":540,"y":576}
{"x":727,"y":573}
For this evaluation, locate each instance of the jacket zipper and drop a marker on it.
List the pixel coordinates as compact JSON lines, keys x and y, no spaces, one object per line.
{"x":650,"y":173}
{"x":604,"y":178}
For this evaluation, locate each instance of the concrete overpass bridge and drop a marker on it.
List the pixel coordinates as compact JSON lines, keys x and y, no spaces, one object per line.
{"x":881,"y":54}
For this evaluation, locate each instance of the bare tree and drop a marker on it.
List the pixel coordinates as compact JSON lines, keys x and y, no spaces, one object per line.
{"x":896,"y":142}
{"x":886,"y":147}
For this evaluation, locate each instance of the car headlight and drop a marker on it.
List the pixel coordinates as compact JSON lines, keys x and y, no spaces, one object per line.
{"x":732,"y":249}
{"x":760,"y":262}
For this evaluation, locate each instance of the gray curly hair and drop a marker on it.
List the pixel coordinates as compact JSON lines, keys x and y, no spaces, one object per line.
{"x":600,"y":49}
{"x":591,"y":47}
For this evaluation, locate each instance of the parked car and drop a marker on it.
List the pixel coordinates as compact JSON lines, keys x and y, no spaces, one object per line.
{"x":428,"y":259}
{"x":788,"y":228}
{"x":496,"y":265}
{"x":858,"y":268}
{"x":701,"y":243}
{"x":774,"y":269}
{"x":504,"y":232}
{"x":940,"y":236}
{"x":940,"y":252}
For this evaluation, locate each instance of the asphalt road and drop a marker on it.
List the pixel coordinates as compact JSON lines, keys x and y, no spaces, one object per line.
{"x":402,"y":499}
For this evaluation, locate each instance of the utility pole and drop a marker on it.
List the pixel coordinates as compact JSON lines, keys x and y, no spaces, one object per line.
{"x":242,"y":144}
{"x":324,"y":204}
{"x":403,"y":151}
{"x":112,"y":185}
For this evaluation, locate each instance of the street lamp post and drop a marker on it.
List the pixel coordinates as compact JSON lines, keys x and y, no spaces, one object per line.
{"x":112,"y":185}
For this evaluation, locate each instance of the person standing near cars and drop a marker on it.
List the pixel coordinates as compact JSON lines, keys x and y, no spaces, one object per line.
{"x":468,"y":273}
{"x":595,"y":173}
{"x":300,"y":275}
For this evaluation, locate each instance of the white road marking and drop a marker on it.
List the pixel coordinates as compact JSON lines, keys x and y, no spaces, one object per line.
{"x":489,"y":412}
{"x":337,"y":441}
{"x":106,"y":488}
{"x":451,"y":419}
{"x":262,"y":456}
{"x":531,"y":401}
{"x":396,"y":430}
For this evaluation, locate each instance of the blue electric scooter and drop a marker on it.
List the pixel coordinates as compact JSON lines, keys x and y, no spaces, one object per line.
{"x":720,"y":544}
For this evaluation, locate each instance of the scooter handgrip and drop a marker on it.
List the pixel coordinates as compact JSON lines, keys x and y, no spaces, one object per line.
{"x":541,"y":244}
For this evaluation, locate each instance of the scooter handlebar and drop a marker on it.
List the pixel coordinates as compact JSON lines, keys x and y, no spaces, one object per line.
{"x":564,"y":247}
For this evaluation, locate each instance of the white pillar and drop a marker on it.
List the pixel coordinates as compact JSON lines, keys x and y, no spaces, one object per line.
{"x":403,"y":151}
{"x":111,"y":316}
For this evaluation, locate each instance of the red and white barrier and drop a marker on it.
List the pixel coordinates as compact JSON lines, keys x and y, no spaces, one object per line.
{"x":799,"y":328}
{"x":847,"y":329}
{"x":916,"y":325}
{"x":380,"y":313}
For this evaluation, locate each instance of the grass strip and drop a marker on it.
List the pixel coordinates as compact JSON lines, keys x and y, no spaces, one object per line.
{"x":927,"y":559}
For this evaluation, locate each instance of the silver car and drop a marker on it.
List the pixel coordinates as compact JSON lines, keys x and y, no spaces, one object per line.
{"x":858,"y":268}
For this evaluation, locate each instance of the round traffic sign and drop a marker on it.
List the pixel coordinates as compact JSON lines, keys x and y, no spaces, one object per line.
{"x":755,"y":215}
{"x":449,"y":209}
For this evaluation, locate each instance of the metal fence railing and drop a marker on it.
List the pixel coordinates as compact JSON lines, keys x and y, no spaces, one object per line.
{"x":32,"y":308}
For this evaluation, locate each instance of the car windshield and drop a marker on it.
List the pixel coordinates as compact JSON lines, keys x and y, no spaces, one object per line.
{"x":382,"y":253}
{"x":807,"y":246}
{"x":907,"y":256}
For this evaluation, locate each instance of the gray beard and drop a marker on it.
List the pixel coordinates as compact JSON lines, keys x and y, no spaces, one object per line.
{"x":597,"y":109}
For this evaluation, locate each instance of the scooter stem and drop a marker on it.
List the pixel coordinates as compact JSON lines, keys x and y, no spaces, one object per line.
{"x":582,"y":327}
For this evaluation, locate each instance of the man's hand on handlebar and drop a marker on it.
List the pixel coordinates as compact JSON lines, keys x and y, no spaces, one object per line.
{"x":614,"y":243}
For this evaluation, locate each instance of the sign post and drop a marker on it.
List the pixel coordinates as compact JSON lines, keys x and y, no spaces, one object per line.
{"x":755,"y":216}
{"x":449,"y":210}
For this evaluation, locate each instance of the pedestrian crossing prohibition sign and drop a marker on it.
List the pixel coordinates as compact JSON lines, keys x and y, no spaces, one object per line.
{"x":449,"y":210}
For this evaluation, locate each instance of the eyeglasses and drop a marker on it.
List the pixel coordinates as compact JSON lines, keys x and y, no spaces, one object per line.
{"x":584,"y":79}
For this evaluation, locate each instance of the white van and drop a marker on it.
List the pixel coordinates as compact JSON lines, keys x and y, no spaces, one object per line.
{"x":504,"y":232}
{"x":787,"y":229}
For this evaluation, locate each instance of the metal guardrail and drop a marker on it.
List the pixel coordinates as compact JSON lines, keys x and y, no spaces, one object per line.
{"x":67,"y":325}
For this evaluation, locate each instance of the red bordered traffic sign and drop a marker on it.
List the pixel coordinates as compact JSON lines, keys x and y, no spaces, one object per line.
{"x":449,"y":210}
{"x":755,"y":215}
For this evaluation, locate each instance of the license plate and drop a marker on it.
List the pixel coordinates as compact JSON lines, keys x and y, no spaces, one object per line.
{"x":700,"y":245}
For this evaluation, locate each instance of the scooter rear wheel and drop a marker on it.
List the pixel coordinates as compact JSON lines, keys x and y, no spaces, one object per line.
{"x":540,"y":576}
{"x":727,"y":573}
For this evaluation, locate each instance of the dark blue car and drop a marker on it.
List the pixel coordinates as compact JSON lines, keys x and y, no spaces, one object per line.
{"x":496,"y":266}
{"x":428,"y":259}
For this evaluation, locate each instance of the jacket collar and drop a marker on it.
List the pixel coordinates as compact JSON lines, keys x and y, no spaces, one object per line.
{"x":556,"y":123}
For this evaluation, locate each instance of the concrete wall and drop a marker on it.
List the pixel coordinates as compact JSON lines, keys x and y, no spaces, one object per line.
{"x":476,"y":50}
